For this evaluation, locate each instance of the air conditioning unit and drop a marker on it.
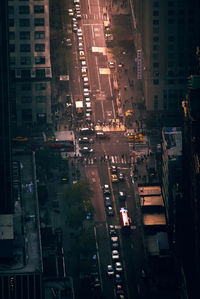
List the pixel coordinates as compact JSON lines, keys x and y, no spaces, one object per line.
{"x":18,"y":74}
{"x":33,"y":73}
{"x":48,"y":73}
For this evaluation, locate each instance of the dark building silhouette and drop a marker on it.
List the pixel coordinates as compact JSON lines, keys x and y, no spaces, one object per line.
{"x":6,"y":202}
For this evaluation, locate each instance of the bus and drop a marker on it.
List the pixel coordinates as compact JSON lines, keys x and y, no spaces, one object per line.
{"x":126,"y":224}
{"x":68,"y":145}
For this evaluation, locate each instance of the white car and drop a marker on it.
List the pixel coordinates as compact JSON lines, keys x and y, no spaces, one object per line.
{"x":87,"y":100}
{"x":70,"y":12}
{"x":76,"y":1}
{"x":115,"y":255}
{"x":79,"y":32}
{"x":110,"y":270}
{"x":80,"y":46}
{"x":78,"y":16}
{"x":118,"y":267}
{"x":83,"y":63}
{"x":85,"y":79}
{"x":74,"y":28}
{"x":111,"y":65}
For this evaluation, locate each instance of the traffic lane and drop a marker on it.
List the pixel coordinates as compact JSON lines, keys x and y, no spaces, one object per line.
{"x":105,"y":259}
{"x":97,"y":197}
{"x":118,"y":146}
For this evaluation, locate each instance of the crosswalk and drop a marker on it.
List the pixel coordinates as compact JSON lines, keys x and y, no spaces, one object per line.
{"x":113,"y":159}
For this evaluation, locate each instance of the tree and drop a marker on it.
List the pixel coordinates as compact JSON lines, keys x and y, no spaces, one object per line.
{"x":78,"y":198}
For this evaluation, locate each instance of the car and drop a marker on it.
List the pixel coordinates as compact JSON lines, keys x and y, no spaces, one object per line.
{"x":74,"y":21}
{"x":88,"y":117}
{"x":86,"y":94}
{"x":118,"y":278}
{"x":78,"y":16}
{"x":84,"y":71}
{"x":86,"y":150}
{"x":86,"y":84}
{"x":118,"y":267}
{"x":115,"y":254}
{"x":114,"y":178}
{"x":113,"y":169}
{"x":101,"y":135}
{"x":96,"y":282}
{"x":83,"y":63}
{"x":110,"y":270}
{"x":76,"y":1}
{"x":64,"y":180}
{"x":106,"y":189}
{"x":85,"y":140}
{"x":86,"y":131}
{"x":79,"y":32}
{"x":108,"y":202}
{"x":80,"y":46}
{"x":121,"y":176}
{"x":129,"y":113}
{"x":81,"y":53}
{"x":111,"y":64}
{"x":112,"y":230}
{"x":114,"y":239}
{"x":122,"y":195}
{"x":70,"y":12}
{"x":87,"y":100}
{"x":68,"y":42}
{"x":74,"y":28}
{"x":110,"y":211}
{"x":85,"y":79}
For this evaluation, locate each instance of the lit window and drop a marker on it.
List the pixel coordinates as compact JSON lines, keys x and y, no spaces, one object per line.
{"x":39,"y":34}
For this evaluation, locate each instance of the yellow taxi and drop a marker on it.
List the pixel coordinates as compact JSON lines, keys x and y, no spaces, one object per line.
{"x":129,"y":113}
{"x":114,"y":178}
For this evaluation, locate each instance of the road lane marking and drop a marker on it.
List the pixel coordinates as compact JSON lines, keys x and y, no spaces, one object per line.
{"x":98,"y":73}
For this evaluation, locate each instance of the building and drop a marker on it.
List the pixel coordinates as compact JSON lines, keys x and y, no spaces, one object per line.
{"x":6,"y":201}
{"x":188,"y":241}
{"x":171,"y":170}
{"x":29,"y":38}
{"x":167,"y":34}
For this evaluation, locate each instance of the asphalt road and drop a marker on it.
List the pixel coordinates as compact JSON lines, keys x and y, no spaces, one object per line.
{"x":104,"y":109}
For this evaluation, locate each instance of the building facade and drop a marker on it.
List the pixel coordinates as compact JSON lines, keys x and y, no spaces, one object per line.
{"x":167,"y":32}
{"x":30,"y":64}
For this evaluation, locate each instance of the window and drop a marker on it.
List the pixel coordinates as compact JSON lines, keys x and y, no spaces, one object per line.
{"x":170,"y":3}
{"x":25,"y":48}
{"x":155,"y":4}
{"x":41,"y":99}
{"x":156,"y":39}
{"x":40,"y":74}
{"x":155,"y":29}
{"x":40,"y":86}
{"x":170,"y":38}
{"x":26,"y":87}
{"x":155,"y":22}
{"x":39,"y":47}
{"x":170,"y":81}
{"x":40,"y":60}
{"x":39,"y":21}
{"x":27,"y":115}
{"x":155,"y":102}
{"x":24,"y":22}
{"x":11,"y":22}
{"x":170,"y":21}
{"x":12,"y":60}
{"x":24,"y":35}
{"x":11,"y":35}
{"x":155,"y":81}
{"x":155,"y":56}
{"x":39,"y":34}
{"x":26,"y":74}
{"x":155,"y":13}
{"x":156,"y":48}
{"x":11,"y":10}
{"x":12,"y":47}
{"x":25,"y":100}
{"x":170,"y":12}
{"x":25,"y":60}
{"x":38,"y":8}
{"x":24,"y":9}
{"x":155,"y":65}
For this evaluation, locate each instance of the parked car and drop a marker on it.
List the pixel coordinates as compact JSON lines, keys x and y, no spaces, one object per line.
{"x":106,"y":189}
{"x":115,"y":254}
{"x":118,"y":267}
{"x":110,"y":270}
{"x":121,"y":176}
